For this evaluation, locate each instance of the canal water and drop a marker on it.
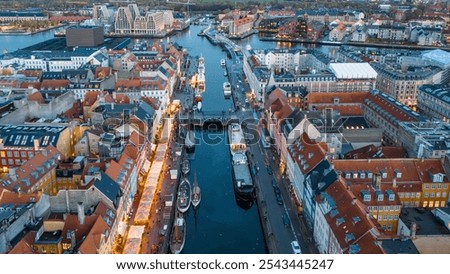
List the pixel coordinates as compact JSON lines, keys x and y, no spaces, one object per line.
{"x":221,"y":224}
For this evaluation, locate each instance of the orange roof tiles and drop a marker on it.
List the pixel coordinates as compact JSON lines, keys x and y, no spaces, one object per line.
{"x":102,"y":72}
{"x":343,"y":225}
{"x":390,"y":108}
{"x":71,"y":223}
{"x":371,"y":151}
{"x":128,"y":84}
{"x":8,"y":197}
{"x":329,"y":97}
{"x":24,"y":246}
{"x":54,"y":84}
{"x":36,"y":85}
{"x":307,"y":153}
{"x":93,"y":240}
{"x":28,"y":174}
{"x":90,"y":98}
{"x":407,"y":168}
{"x":344,"y":110}
{"x":37,"y":97}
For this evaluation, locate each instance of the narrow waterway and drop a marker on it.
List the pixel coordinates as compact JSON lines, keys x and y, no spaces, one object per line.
{"x":220,"y":224}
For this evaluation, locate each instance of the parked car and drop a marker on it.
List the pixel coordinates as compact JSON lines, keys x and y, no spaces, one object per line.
{"x":296,"y":247}
{"x":279,"y":198}
{"x":276,"y":189}
{"x":286,"y":220}
{"x":269,"y":170}
{"x":274,"y":183}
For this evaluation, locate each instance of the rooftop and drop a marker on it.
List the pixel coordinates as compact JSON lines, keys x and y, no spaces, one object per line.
{"x":353,"y":70}
{"x":440,"y":92}
{"x":426,"y":223}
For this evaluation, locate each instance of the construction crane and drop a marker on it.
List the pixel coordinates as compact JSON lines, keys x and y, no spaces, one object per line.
{"x":187,"y":3}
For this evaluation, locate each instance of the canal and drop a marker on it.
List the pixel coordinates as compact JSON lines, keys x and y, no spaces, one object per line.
{"x":220,"y":224}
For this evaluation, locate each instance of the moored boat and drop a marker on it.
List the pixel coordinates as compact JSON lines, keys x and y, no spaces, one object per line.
{"x":178,"y":235}
{"x":184,"y":195}
{"x":196,"y":194}
{"x":222,"y":62}
{"x":189,"y":141}
{"x":185,"y":166}
{"x":227,"y":89}
{"x":242,"y":179}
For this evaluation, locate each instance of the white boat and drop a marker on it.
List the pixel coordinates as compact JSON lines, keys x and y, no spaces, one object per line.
{"x":201,"y":76}
{"x":189,"y":141}
{"x":185,"y":166}
{"x":236,"y":139}
{"x":178,"y":235}
{"x":227,"y":89}
{"x":196,"y":194}
{"x":222,"y":62}
{"x":199,"y":106}
{"x":242,"y":179}
{"x":184,"y":195}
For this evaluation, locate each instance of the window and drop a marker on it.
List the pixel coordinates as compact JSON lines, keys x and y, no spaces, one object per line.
{"x":431,"y":204}
{"x":9,"y":153}
{"x":23,"y":154}
{"x":385,"y":217}
{"x":427,"y":186}
{"x":4,"y":162}
{"x":425,"y":195}
{"x":425,"y":204}
{"x":442,"y":203}
{"x":444,"y":194}
{"x":431,"y":194}
{"x":2,"y":154}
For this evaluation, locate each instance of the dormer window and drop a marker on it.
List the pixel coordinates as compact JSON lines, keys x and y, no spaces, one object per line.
{"x":383,"y":174}
{"x":380,"y":196}
{"x":398,"y":174}
{"x":390,"y":194}
{"x":355,"y":175}
{"x":347,"y":175}
{"x":369,"y":175}
{"x":365,"y":195}
{"x":362,"y":175}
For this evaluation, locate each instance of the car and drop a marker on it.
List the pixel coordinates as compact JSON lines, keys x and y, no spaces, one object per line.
{"x":274,"y":183}
{"x":269,"y":170}
{"x":276,"y":189}
{"x":279,"y":198}
{"x":286,"y":220}
{"x":296,"y":247}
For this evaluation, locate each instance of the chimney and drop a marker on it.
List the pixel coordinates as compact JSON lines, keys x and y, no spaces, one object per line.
{"x":36,"y":144}
{"x":354,"y":201}
{"x":80,"y":211}
{"x":413,"y":230}
{"x":376,"y":181}
{"x":114,"y":95}
{"x":112,"y":106}
{"x":394,"y":182}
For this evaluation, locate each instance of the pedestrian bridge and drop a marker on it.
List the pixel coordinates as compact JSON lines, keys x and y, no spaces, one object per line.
{"x":196,"y":118}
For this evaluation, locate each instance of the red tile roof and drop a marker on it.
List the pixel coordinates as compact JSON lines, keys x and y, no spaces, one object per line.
{"x":389,"y":107}
{"x":28,"y":174}
{"x":24,"y":246}
{"x":371,"y":151}
{"x":37,"y":97}
{"x":343,"y":225}
{"x":93,"y":240}
{"x":307,"y":153}
{"x":55,"y":84}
